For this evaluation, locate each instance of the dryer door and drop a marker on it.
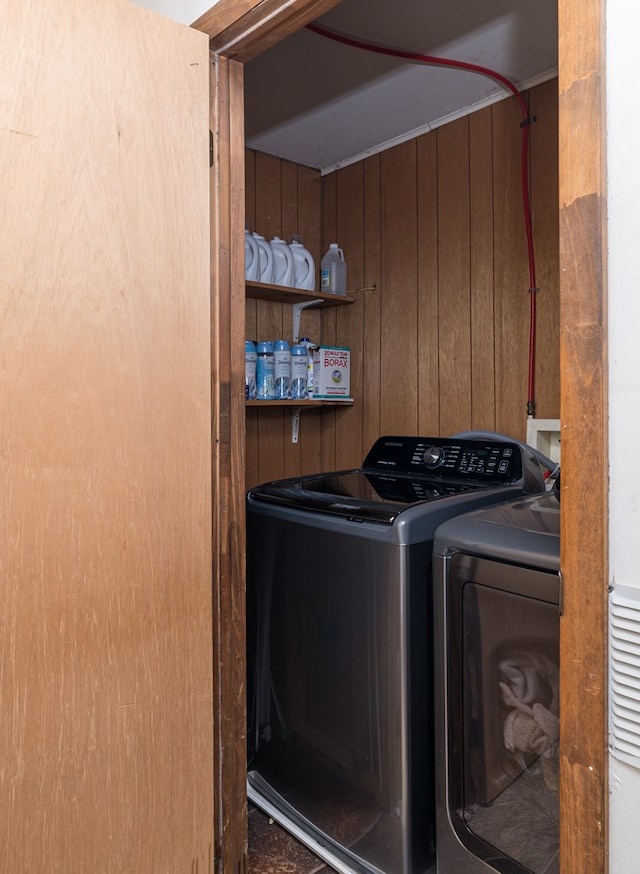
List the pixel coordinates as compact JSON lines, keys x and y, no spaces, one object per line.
{"x":503,"y":719}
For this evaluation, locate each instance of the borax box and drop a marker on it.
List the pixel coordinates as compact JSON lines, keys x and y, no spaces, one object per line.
{"x":331,"y":372}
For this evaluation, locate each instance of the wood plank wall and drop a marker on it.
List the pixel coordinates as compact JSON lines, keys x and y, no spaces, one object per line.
{"x":437,"y":225}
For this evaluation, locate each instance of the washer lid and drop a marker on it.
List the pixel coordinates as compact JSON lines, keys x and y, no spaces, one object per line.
{"x":358,"y":493}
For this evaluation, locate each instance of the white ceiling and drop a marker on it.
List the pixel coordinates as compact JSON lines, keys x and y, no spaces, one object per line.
{"x":322,"y":104}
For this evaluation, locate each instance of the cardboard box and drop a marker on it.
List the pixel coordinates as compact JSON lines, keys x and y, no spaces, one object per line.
{"x":331,"y":372}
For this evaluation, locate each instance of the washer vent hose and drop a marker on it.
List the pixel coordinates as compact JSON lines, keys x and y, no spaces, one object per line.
{"x":552,"y":467}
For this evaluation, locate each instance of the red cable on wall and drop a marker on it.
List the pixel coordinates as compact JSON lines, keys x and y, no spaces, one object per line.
{"x":525,"y":124}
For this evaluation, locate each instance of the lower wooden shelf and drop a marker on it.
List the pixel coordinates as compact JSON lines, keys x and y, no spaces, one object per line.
{"x":311,"y":402}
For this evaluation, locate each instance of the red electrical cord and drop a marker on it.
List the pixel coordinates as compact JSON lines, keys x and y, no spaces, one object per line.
{"x":525,"y":124}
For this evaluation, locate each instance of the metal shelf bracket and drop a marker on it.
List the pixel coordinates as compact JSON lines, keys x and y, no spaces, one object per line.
{"x":297,"y":311}
{"x":295,"y":425}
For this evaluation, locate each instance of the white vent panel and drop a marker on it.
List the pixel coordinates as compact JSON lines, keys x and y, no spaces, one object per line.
{"x":624,"y":675}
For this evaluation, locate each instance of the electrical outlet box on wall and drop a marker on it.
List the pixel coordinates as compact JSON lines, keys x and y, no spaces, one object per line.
{"x":544,"y":435}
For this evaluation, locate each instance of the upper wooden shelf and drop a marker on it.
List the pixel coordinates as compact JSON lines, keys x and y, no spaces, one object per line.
{"x":284,"y":294}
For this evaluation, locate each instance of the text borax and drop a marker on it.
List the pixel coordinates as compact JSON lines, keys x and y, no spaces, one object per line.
{"x":336,"y":361}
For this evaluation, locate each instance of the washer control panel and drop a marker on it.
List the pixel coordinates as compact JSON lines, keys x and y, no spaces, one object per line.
{"x":481,"y":460}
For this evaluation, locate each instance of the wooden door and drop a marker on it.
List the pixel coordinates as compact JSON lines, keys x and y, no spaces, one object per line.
{"x":106,"y":719}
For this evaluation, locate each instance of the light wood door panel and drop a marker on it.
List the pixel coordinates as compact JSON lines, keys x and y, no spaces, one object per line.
{"x":105,"y":422}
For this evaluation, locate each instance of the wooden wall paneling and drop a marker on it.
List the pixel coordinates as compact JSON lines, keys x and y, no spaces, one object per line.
{"x":369,"y":399}
{"x":227,"y":383}
{"x":290,"y":201}
{"x":106,"y":732}
{"x":511,"y":273}
{"x":486,"y":276}
{"x":584,"y":407}
{"x":545,"y":217}
{"x":454,"y":279}
{"x":399,"y":289}
{"x":483,"y":396}
{"x":329,"y":316}
{"x":270,"y":318}
{"x":428,"y":308}
{"x":271,"y":436}
{"x":252,"y":415}
{"x":287,"y":197}
{"x":310,"y":227}
{"x":309,"y":213}
{"x":349,"y":320}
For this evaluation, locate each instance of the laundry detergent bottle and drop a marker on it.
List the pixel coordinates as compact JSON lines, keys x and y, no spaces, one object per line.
{"x":304,"y":269}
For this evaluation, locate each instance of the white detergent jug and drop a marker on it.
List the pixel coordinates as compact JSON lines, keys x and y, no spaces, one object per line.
{"x":304,"y":269}
{"x":251,"y":258}
{"x":282,"y":263}
{"x":265,"y":259}
{"x":333,"y":271}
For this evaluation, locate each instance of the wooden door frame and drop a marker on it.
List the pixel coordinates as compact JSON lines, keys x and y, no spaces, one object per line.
{"x":240,"y":30}
{"x":584,"y":417}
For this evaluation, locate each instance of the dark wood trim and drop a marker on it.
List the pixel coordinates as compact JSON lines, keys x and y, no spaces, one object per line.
{"x":243,"y":29}
{"x":583,"y":361}
{"x":227,"y":328}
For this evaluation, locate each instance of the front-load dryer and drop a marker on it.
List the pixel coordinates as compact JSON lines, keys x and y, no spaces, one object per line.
{"x":497,"y":621}
{"x":339,"y":608}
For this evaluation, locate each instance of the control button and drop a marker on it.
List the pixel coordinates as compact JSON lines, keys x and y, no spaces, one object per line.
{"x":433,"y":456}
{"x":504,"y":467}
{"x":508,"y":452}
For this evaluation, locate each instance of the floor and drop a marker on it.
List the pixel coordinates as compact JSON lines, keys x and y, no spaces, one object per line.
{"x":522,"y":821}
{"x":272,"y":850}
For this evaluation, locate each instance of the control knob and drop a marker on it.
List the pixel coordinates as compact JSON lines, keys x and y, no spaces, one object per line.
{"x":433,"y":456}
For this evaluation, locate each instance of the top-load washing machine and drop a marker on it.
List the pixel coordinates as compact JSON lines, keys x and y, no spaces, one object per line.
{"x":340,"y":671}
{"x":497,"y":623}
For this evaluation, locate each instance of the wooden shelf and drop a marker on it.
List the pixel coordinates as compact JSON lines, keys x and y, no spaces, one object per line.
{"x":300,"y":300}
{"x":284,"y":294}
{"x":312,"y":402}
